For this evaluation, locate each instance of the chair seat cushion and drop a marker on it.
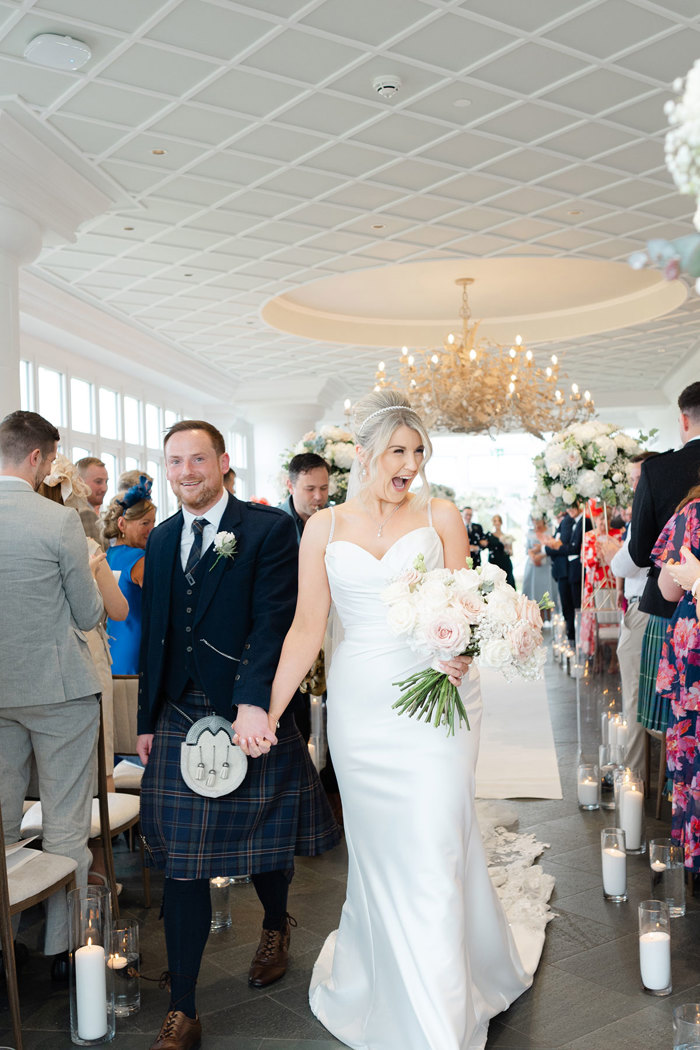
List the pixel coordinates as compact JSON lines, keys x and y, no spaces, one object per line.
{"x":122,"y":810}
{"x":37,"y":875}
{"x":127,"y":776}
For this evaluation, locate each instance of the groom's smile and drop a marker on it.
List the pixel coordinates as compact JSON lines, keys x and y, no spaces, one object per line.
{"x":194,"y":469}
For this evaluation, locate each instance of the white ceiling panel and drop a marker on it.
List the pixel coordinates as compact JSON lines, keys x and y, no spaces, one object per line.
{"x":519,"y":129}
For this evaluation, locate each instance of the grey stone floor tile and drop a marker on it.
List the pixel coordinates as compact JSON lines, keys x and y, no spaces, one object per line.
{"x":325,"y":1042}
{"x":501,"y":1037}
{"x":569,"y":935}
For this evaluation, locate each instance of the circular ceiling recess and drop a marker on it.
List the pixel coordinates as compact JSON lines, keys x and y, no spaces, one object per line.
{"x":416,"y":304}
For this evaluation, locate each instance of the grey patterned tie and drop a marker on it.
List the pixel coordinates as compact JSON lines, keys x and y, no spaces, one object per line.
{"x":196,"y":548}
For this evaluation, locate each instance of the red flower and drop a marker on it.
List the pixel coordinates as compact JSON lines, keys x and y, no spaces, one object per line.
{"x":666,"y":676}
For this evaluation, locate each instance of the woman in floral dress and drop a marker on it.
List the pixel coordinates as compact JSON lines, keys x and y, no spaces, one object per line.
{"x":678,"y":681}
{"x":598,"y":577}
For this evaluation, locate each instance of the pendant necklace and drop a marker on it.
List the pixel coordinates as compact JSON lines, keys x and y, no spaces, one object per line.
{"x":380,"y":525}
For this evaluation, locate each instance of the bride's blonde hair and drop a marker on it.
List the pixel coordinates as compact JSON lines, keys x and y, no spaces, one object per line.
{"x":375,"y":418}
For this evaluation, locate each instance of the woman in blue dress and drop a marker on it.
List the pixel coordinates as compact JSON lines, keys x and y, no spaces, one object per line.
{"x":128,"y":521}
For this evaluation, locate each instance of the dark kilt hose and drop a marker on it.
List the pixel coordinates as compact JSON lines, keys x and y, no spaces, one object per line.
{"x":279,"y":810}
{"x":210,"y":641}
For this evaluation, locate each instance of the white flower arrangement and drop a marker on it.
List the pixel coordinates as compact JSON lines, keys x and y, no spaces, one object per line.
{"x":225,"y":546}
{"x":584,"y":461}
{"x":337,"y":447}
{"x":474,"y":612}
{"x":682,"y":145}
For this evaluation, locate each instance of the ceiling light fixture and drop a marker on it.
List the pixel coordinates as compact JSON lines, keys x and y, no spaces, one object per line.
{"x":57,"y":52}
{"x":386,"y":85}
{"x":159,"y":152}
{"x":462,"y":103}
{"x":378,"y":226}
{"x":469,"y":387}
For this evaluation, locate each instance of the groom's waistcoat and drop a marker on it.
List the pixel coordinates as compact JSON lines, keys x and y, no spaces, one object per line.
{"x":180,"y":664}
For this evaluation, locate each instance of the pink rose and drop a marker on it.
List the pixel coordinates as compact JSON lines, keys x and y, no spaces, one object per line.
{"x":411,"y":577}
{"x":472,"y":607}
{"x":447,"y":634}
{"x":528,"y":611}
{"x":523,"y":640}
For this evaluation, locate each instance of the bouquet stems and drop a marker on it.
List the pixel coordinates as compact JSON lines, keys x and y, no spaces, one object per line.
{"x":432,"y":696}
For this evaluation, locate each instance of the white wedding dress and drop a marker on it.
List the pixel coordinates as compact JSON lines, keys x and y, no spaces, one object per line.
{"x":424,"y":955}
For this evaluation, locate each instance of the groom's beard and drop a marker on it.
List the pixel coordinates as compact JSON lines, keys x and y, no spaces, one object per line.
{"x":193,"y":499}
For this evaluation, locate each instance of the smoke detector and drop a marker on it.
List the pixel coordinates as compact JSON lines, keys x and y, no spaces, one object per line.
{"x":57,"y":52}
{"x":386,"y":85}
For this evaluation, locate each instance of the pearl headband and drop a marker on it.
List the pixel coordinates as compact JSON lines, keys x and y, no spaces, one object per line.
{"x":387,"y":408}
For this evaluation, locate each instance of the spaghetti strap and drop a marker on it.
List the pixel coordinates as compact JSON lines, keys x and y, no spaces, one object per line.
{"x":330,"y":534}
{"x":430,"y":511}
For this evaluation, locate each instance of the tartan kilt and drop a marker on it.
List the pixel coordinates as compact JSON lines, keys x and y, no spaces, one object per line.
{"x":652,"y":709}
{"x":279,"y":810}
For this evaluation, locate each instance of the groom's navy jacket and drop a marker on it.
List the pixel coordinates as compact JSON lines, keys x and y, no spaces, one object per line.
{"x":241,"y":610}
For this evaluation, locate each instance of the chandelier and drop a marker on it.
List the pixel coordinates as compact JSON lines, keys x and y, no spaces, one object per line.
{"x":471,"y":387}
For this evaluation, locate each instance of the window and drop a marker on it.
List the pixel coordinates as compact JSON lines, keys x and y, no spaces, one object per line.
{"x":26,"y":398}
{"x":131,"y":463}
{"x":50,"y":386}
{"x":81,"y":415}
{"x":153,"y":435}
{"x":109,"y":413}
{"x":113,"y":471}
{"x":132,"y":421}
{"x":169,"y":419}
{"x":80,"y":453}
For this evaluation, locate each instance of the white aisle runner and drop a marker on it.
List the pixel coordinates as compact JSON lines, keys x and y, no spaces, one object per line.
{"x":516,"y":757}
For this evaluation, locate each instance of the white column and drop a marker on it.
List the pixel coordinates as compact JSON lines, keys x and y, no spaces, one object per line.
{"x":20,"y":243}
{"x":276,"y":429}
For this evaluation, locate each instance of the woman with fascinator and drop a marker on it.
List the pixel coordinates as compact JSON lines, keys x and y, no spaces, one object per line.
{"x":129,"y":521}
{"x":424,"y":955}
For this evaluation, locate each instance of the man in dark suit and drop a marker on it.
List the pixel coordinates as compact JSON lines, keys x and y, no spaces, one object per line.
{"x":663,"y":483}
{"x":213,"y":627}
{"x":561,"y":549}
{"x":475,"y":534}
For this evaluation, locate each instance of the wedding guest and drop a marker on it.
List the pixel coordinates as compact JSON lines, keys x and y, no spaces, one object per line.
{"x":205,"y":615}
{"x":678,"y":681}
{"x":58,"y":486}
{"x":633,"y":626}
{"x":567,"y":544}
{"x":500,"y":548}
{"x":93,"y":474}
{"x":599,"y":601}
{"x":129,"y":521}
{"x":537,"y":578}
{"x":475,"y":534}
{"x":230,"y":481}
{"x":663,"y":483}
{"x":49,"y":706}
{"x":307,"y":483}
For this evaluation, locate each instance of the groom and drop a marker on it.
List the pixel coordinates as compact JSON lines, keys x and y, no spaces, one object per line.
{"x":213,"y":628}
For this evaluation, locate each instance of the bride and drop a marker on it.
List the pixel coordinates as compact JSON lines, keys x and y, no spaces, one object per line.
{"x":423,"y":956}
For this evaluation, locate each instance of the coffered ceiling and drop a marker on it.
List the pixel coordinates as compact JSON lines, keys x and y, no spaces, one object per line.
{"x":259,"y":157}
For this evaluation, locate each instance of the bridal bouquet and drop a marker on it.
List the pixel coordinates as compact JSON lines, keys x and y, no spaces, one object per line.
{"x":473,"y":612}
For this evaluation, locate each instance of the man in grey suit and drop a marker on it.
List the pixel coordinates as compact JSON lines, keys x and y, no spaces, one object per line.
{"x":49,"y":707}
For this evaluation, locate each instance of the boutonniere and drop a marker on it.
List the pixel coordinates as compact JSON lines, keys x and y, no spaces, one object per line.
{"x":225,"y":546}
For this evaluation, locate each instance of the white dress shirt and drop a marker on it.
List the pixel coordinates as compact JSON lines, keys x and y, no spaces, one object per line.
{"x":213,"y":516}
{"x":634,"y":577}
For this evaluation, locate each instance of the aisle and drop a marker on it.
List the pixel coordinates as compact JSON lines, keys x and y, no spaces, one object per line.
{"x":517,"y":758}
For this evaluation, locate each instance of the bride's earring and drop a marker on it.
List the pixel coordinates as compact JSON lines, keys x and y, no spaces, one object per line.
{"x":364,"y":472}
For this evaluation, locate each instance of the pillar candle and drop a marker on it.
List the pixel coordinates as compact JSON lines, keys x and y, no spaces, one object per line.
{"x":631,"y":813}
{"x":655,"y":960}
{"x":614,"y":872}
{"x":588,"y":791}
{"x":91,"y":991}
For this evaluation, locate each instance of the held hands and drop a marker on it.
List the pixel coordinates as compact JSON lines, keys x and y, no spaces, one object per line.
{"x":456,"y":668}
{"x":686,"y":572}
{"x":252,"y":731}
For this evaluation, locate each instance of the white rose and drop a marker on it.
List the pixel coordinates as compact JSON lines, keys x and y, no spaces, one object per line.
{"x":433,"y":596}
{"x":573,"y":459}
{"x":589,"y":483}
{"x":617,"y":478}
{"x":606,"y":447}
{"x":569,"y":496}
{"x":601,"y":468}
{"x":556,"y":490}
{"x":495,"y":653}
{"x":332,"y":485}
{"x":401,"y":617}
{"x":465,"y":581}
{"x":395,"y":592}
{"x":447,"y":635}
{"x":501,"y":607}
{"x":343,"y":455}
{"x":492,"y":574}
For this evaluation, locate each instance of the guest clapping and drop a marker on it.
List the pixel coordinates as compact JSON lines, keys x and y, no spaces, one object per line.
{"x":129,"y":521}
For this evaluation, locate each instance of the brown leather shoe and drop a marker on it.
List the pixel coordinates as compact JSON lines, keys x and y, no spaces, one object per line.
{"x":178,"y":1032}
{"x":270,"y":960}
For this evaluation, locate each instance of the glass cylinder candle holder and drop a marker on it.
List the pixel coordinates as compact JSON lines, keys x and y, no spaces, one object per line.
{"x":588,"y":786}
{"x":605,"y":720}
{"x":220,"y":903}
{"x":614,"y":862}
{"x":686,"y":1026}
{"x":92,"y":1016}
{"x":609,"y":759}
{"x":124,"y":964}
{"x":240,"y":880}
{"x":655,"y":947}
{"x":630,"y":810}
{"x":667,"y":870}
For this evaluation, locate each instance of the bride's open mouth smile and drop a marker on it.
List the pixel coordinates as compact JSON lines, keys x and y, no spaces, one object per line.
{"x":403,"y":482}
